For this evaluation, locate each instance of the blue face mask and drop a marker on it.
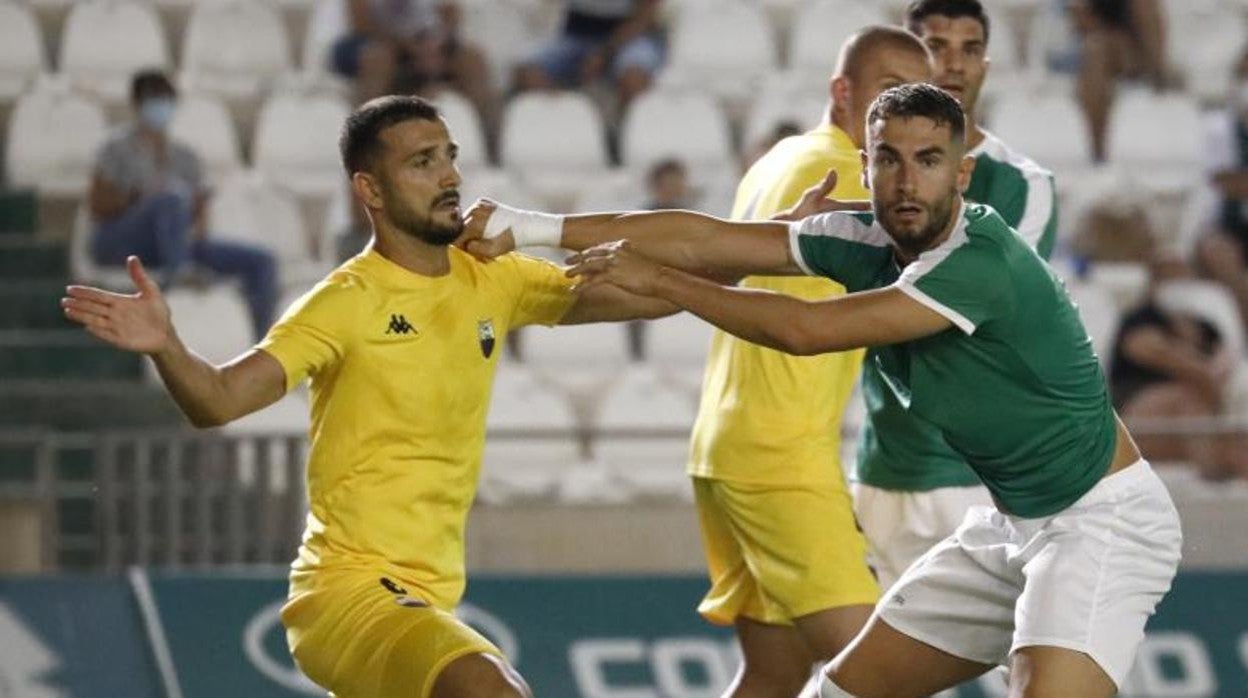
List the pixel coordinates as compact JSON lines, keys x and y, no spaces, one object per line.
{"x":157,"y":113}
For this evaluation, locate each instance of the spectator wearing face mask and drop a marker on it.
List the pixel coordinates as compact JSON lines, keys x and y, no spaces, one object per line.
{"x":148,"y":198}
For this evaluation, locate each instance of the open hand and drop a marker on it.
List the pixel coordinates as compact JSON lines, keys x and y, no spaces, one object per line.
{"x":817,"y":199}
{"x":617,"y":264}
{"x":473,"y":240}
{"x":137,"y":322}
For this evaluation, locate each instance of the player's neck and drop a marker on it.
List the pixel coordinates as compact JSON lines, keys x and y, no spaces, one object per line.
{"x":413,"y":254}
{"x":974,"y":134}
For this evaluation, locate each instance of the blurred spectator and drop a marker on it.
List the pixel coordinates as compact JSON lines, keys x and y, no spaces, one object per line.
{"x":668,"y":184}
{"x":616,"y":39}
{"x":412,"y":46}
{"x":1172,"y":366}
{"x":148,"y":198}
{"x":1223,"y":252}
{"x":782,"y":130}
{"x":1119,"y":39}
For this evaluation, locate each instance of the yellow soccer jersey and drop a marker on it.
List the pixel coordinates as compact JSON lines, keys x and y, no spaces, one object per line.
{"x":768,"y":417}
{"x":401,"y":367}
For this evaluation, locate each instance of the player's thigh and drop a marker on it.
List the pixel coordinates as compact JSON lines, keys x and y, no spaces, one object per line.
{"x":884,"y":662}
{"x":802,"y":544}
{"x":1055,"y":672}
{"x":828,"y":632}
{"x":480,"y":675}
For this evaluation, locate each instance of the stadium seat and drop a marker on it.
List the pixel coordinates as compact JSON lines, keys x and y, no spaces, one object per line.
{"x":213,"y":322}
{"x":822,"y":26}
{"x":774,"y":106}
{"x":532,"y":437}
{"x":53,"y":135}
{"x":1048,"y":128}
{"x":677,"y":347}
{"x":204,"y":125}
{"x":1126,"y":282}
{"x":504,"y":33}
{"x":642,"y":435}
{"x":289,"y":416}
{"x":685,"y":125}
{"x":1100,"y":317}
{"x":21,"y":49}
{"x":550,"y":140}
{"x":234,"y":48}
{"x":106,"y":41}
{"x":1212,"y":42}
{"x":1157,"y":139}
{"x":580,"y":361}
{"x":250,"y":207}
{"x":466,"y":129}
{"x":718,"y":47}
{"x":296,"y":142}
{"x":326,"y":23}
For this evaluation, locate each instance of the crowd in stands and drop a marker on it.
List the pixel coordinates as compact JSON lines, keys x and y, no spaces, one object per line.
{"x":609,"y":103}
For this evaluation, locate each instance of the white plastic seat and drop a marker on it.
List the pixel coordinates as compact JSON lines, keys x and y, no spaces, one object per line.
{"x":1157,"y":138}
{"x":581,"y":361}
{"x":781,"y":104}
{"x":549,"y":140}
{"x":1048,"y":128}
{"x":234,"y":48}
{"x":466,"y":129}
{"x":249,"y":207}
{"x":525,"y":469}
{"x":327,"y":22}
{"x":21,"y":49}
{"x":106,"y":41}
{"x":677,"y":347}
{"x":688,"y":126}
{"x":1211,"y":44}
{"x":296,"y":142}
{"x":1100,"y":317}
{"x":53,"y":136}
{"x":213,"y":322}
{"x":532,"y":437}
{"x":204,"y":125}
{"x":720,"y":47}
{"x":643,"y":435}
{"x":500,"y":28}
{"x":822,"y":26}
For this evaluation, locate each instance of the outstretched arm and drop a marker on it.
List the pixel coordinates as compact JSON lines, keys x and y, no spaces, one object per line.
{"x":140,"y":322}
{"x":792,"y":325}
{"x":700,"y":244}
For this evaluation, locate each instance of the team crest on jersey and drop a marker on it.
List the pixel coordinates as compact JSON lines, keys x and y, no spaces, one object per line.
{"x":485,"y":335}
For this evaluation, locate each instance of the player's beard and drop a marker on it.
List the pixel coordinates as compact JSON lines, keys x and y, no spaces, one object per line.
{"x":424,"y":227}
{"x":917,"y":242}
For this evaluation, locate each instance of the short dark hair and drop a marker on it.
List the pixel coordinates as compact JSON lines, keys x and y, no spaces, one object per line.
{"x":920,"y":99}
{"x":919,"y":10}
{"x":361,"y":134}
{"x":149,"y":83}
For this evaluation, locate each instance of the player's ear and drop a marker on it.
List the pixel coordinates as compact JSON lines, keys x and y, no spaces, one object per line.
{"x":966,"y":167}
{"x":367,"y":188}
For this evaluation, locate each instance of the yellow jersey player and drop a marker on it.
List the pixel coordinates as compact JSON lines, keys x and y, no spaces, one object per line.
{"x":400,"y":344}
{"x":787,"y":563}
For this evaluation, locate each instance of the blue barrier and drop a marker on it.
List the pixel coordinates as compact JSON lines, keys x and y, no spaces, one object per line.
{"x":157,"y":634}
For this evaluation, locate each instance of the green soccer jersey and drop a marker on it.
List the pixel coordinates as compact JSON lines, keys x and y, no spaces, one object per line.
{"x":1013,"y":389}
{"x":896,"y":450}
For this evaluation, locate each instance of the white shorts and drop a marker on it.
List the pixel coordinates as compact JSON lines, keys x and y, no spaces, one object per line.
{"x":900,"y":526}
{"x":1085,"y":579}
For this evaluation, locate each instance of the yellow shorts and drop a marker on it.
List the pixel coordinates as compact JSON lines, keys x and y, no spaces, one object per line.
{"x":779,"y":553}
{"x":359,"y":637}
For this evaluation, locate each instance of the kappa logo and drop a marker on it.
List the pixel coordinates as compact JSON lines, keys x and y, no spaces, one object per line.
{"x":400,"y":325}
{"x":400,"y":595}
{"x":485,"y":335}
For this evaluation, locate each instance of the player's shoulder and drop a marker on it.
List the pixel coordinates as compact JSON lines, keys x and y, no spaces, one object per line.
{"x":993,"y":151}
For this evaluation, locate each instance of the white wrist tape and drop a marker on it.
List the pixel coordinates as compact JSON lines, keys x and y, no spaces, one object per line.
{"x":529,"y":228}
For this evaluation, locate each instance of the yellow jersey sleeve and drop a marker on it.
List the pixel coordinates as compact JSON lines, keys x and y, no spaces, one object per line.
{"x":543,"y":293}
{"x":315,"y":331}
